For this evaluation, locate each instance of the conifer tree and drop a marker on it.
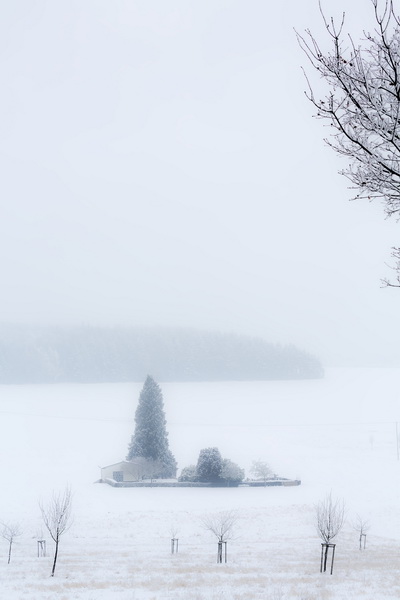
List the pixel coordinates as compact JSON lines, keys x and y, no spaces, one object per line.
{"x":150,"y":439}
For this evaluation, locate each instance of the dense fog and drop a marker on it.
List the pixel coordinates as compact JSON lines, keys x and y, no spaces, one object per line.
{"x":94,"y":354}
{"x":160,"y":166}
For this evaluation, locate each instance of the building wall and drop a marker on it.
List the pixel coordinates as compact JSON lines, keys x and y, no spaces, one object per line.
{"x":129,"y":471}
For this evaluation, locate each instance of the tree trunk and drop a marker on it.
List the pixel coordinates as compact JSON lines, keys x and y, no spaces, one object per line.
{"x":9,"y":553}
{"x":326,"y":557}
{"x":55,"y":559}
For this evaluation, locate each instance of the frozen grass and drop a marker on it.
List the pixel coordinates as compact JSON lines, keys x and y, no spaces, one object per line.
{"x":252,"y":572}
{"x":119,"y":546}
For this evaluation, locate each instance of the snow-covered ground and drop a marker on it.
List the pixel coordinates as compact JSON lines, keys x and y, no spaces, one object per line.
{"x":337,"y":434}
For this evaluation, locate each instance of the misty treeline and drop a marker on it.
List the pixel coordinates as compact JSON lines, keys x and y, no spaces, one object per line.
{"x":89,"y":354}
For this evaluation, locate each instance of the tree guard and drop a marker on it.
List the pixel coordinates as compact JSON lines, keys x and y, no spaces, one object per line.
{"x":363,"y":536}
{"x":324,"y":556}
{"x":41,"y":548}
{"x":220,"y":552}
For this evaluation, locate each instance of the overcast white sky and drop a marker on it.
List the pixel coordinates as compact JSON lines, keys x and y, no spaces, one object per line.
{"x":159,"y":164}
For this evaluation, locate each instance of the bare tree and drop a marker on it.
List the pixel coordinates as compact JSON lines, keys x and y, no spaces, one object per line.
{"x":362,"y":526}
{"x":174,"y":528}
{"x":174,"y":537}
{"x":330,"y":517}
{"x":330,"y":514}
{"x":261,"y":470}
{"x":57,"y":518}
{"x":222,"y":525}
{"x":362,"y":104}
{"x":9,"y":532}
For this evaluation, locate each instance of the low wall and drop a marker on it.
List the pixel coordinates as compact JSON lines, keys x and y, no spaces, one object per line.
{"x":272,"y":483}
{"x":292,"y":482}
{"x":139,"y":484}
{"x":198,"y":484}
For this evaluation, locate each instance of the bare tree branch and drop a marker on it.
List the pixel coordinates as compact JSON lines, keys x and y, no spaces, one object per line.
{"x":261,"y":470}
{"x":362,"y":526}
{"x":330,"y":514}
{"x":9,"y":532}
{"x":396,"y":267}
{"x":362,"y":104}
{"x":57,"y":518}
{"x":221,"y":524}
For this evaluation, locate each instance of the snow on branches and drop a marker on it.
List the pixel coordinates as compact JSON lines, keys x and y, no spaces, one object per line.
{"x":362,"y":102}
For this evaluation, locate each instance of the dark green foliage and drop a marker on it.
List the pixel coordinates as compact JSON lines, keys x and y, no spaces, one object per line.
{"x":169,"y":464}
{"x":94,"y":354}
{"x":209,"y":465}
{"x":150,"y":439}
{"x":212,"y":468}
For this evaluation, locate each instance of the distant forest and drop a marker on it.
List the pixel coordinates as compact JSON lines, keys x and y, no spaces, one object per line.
{"x":93,"y":354}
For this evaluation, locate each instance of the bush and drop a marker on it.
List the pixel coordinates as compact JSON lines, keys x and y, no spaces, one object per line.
{"x":212,"y":468}
{"x":209,"y":465}
{"x":188,"y":474}
{"x":231,"y":473}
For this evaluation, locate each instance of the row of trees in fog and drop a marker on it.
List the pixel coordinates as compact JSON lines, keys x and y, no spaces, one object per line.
{"x":330,"y":515}
{"x":94,"y":354}
{"x":212,"y":468}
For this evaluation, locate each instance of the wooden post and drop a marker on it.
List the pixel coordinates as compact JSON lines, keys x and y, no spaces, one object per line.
{"x":41,"y":548}
{"x":222,"y":549}
{"x":333,"y":557}
{"x":324,"y":556}
{"x":219,"y":553}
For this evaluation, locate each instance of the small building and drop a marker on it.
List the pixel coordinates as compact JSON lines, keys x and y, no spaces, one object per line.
{"x":140,"y":472}
{"x":117,"y":472}
{"x":135,"y":470}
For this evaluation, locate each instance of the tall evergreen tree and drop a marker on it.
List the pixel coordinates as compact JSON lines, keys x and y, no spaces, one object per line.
{"x":150,"y":439}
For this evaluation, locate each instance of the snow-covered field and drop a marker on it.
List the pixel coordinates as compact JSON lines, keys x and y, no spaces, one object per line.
{"x":335,"y":434}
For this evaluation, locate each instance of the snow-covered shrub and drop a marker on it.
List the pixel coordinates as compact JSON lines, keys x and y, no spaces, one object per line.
{"x":209,"y":465}
{"x":188,"y":474}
